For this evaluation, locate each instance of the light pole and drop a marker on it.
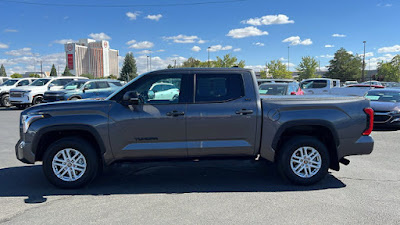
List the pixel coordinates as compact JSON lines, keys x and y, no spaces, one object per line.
{"x":150,"y":61}
{"x":41,"y":67}
{"x":147,"y":63}
{"x":208,"y":61}
{"x":363,"y":65}
{"x":288,"y":54}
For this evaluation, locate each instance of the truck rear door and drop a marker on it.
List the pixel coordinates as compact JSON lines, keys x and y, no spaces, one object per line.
{"x":221,"y":120}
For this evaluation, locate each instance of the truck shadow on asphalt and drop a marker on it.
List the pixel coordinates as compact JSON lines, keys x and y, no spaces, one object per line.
{"x":160,"y":177}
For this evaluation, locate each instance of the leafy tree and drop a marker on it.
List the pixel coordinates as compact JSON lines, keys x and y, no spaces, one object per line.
{"x":390,"y":71}
{"x":113,"y":77}
{"x":2,"y":71}
{"x":278,"y":70}
{"x":87,"y":75}
{"x":307,"y":67}
{"x":67,"y":72}
{"x":263,"y":74}
{"x":34,"y":75}
{"x":228,"y":61}
{"x":129,"y":69}
{"x":344,"y":66}
{"x":169,"y":66}
{"x":53,"y":72}
{"x":16,"y":75}
{"x":191,"y":62}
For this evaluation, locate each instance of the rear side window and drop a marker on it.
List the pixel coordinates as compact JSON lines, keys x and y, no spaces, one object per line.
{"x":218,"y":87}
{"x":314,"y":84}
{"x":102,"y":84}
{"x":23,"y":83}
{"x":61,"y":82}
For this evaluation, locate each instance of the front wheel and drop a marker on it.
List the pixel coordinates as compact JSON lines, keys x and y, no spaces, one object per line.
{"x":303,"y":160}
{"x":70,"y":163}
{"x":37,"y":100}
{"x":5,"y":100}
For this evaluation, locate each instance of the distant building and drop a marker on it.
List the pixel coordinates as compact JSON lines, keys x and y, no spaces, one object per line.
{"x":91,"y":57}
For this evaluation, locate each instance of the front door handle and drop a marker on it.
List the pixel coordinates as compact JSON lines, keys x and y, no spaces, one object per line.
{"x":244,"y":111}
{"x":175,"y":113}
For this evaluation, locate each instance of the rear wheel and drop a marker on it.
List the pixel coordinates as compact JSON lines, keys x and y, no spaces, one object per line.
{"x":74,"y":98}
{"x":5,"y":100}
{"x":37,"y":100}
{"x":303,"y":160}
{"x":70,"y":163}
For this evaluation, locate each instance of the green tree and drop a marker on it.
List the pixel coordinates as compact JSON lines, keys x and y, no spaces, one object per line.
{"x":169,"y":66}
{"x":16,"y":75}
{"x":2,"y":71}
{"x":34,"y":75}
{"x":129,"y":70}
{"x":53,"y":72}
{"x":278,"y":70}
{"x":113,"y":77}
{"x":87,"y":75}
{"x":390,"y":71}
{"x":191,"y":62}
{"x":344,"y":66}
{"x":307,"y":67}
{"x":228,"y":61}
{"x":263,"y":74}
{"x":67,"y":72}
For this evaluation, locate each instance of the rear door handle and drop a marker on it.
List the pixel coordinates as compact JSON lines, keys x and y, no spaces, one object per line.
{"x":175,"y":113}
{"x":244,"y":111}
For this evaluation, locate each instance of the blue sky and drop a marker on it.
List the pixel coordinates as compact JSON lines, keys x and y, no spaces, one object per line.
{"x":256,"y":31}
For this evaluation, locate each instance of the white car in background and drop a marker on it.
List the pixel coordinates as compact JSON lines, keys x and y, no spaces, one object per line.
{"x":163,"y":91}
{"x":319,"y":86}
{"x":33,"y":94}
{"x":10,"y":84}
{"x":3,"y":79}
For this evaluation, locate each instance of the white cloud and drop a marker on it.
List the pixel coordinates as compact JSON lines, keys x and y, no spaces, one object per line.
{"x":256,"y":68}
{"x":329,"y":46}
{"x":99,"y":36}
{"x":132,"y":15}
{"x":157,"y":62}
{"x":350,"y":52}
{"x":384,"y":5}
{"x":394,"y":48}
{"x":326,"y":56}
{"x":154,"y":17}
{"x":3,"y":46}
{"x":184,"y":39}
{"x":160,"y":50}
{"x":246,"y":32}
{"x":367,"y":54}
{"x":338,"y":35}
{"x":237,"y":49}
{"x":66,"y":17}
{"x":146,"y":52}
{"x":63,"y":41}
{"x":295,"y":40}
{"x":196,"y":48}
{"x":140,"y":45}
{"x":20,"y":52}
{"x":373,"y":62}
{"x":268,"y":20}
{"x":259,"y":44}
{"x":216,"y":48}
{"x":10,"y":30}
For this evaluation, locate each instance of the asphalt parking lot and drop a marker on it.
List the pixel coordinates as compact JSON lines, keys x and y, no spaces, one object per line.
{"x":205,"y":192}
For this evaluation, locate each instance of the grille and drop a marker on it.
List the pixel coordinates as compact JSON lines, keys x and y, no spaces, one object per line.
{"x":52,"y":98}
{"x":16,"y":94}
{"x":382,"y":116}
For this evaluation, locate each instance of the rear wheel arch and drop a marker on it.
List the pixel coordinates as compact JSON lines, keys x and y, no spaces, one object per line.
{"x":322,"y":130}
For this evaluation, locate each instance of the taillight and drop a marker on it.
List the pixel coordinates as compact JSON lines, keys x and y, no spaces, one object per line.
{"x":370,"y":121}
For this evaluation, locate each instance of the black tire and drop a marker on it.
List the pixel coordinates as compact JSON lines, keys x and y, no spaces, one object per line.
{"x":37,"y":100}
{"x":5,"y":100}
{"x":290,"y":147}
{"x":78,"y":144}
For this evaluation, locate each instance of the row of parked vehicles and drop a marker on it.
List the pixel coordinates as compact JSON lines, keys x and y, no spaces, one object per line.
{"x":32,"y":91}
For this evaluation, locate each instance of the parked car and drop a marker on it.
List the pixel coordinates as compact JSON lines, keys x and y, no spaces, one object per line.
{"x":163,"y":91}
{"x":32,"y":94}
{"x":3,"y":79}
{"x":372,"y":82}
{"x":386,"y":106}
{"x":261,"y":81}
{"x":280,"y":89}
{"x":8,"y":85}
{"x":83,"y":89}
{"x":318,"y":86}
{"x":350,"y":82}
{"x":218,"y":113}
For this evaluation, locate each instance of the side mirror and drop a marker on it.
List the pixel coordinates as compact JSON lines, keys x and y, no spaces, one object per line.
{"x":292,"y":93}
{"x":85,"y":89}
{"x":151,"y":94}
{"x":131,"y":97}
{"x":50,"y":86}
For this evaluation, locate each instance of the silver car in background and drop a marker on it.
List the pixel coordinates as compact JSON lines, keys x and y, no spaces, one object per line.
{"x":386,"y":106}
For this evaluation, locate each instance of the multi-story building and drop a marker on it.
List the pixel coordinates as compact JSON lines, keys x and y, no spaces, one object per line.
{"x":91,"y":57}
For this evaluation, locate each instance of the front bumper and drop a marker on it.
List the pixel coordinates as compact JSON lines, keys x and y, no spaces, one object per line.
{"x":23,"y":151}
{"x":24,"y":100}
{"x":362,"y":146}
{"x":388,"y":119}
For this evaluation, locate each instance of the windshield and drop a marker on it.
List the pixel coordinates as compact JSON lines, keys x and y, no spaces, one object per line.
{"x":383,"y":96}
{"x":271,"y":89}
{"x":40,"y":82}
{"x":9,"y":83}
{"x":74,"y":85}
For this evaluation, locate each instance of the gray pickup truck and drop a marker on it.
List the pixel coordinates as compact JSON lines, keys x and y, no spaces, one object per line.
{"x":195,"y":113}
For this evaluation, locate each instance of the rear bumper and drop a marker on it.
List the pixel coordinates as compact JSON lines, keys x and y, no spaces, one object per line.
{"x":362,"y":146}
{"x":23,"y":151}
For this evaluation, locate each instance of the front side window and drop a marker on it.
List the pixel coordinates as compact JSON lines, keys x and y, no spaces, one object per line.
{"x":74,"y":85}
{"x":273,"y":89}
{"x":9,"y":83}
{"x":23,"y":83}
{"x":61,"y":82}
{"x":218,"y":87}
{"x":102,"y":84}
{"x":91,"y":86}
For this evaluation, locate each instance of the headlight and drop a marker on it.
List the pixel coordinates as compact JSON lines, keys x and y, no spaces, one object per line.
{"x":395,"y":112}
{"x":26,"y":93}
{"x":27,"y":120}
